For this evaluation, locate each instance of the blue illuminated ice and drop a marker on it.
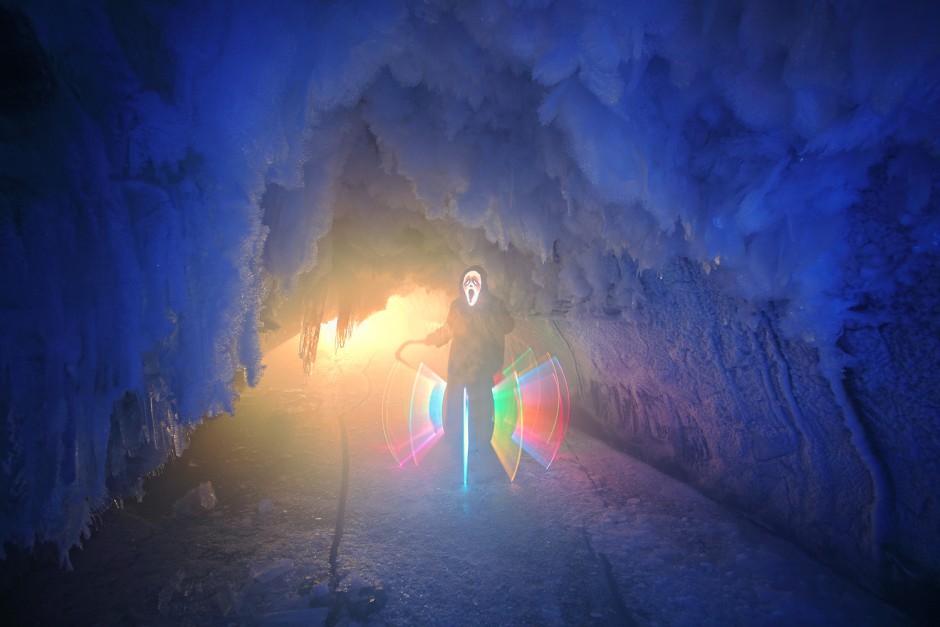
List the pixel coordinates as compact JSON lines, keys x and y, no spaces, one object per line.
{"x":168,"y":172}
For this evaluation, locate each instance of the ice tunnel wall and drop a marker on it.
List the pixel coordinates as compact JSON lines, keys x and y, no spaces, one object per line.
{"x":710,"y":390}
{"x":729,"y":211}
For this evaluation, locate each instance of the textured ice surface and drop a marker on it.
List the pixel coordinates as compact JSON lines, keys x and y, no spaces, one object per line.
{"x":171,"y":173}
{"x":599,"y":538}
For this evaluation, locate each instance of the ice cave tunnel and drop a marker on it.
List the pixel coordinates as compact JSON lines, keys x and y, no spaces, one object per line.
{"x":725,"y":214}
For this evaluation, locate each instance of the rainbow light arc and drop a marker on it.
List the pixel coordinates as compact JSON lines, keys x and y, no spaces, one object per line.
{"x":545,"y":403}
{"x":532,"y":412}
{"x":508,"y":418}
{"x":411,"y":434}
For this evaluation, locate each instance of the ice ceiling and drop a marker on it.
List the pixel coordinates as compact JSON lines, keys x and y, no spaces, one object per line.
{"x":174,"y":173}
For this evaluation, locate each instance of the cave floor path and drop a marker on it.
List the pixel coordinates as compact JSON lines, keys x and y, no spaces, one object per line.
{"x":598,"y":538}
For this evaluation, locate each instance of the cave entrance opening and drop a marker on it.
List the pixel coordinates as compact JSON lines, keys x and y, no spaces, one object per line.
{"x":408,"y":316}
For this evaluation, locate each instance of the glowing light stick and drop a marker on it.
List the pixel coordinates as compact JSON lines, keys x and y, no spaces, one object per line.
{"x":466,"y":435}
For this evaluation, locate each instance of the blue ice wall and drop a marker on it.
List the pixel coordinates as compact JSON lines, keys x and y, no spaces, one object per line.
{"x":171,"y":172}
{"x":837,"y":457}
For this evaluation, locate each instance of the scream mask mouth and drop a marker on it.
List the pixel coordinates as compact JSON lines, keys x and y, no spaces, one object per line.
{"x":472,"y":283}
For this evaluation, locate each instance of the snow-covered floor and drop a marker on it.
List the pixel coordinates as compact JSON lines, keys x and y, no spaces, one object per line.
{"x":599,"y":538}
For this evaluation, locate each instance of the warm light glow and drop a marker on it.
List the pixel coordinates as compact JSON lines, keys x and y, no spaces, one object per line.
{"x":404,"y":317}
{"x":409,"y":433}
{"x":328,"y":333}
{"x":407,"y":317}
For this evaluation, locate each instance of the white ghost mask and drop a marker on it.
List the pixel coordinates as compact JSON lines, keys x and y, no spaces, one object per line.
{"x":472,"y":284}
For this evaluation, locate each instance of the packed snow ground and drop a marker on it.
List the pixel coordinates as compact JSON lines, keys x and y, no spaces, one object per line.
{"x":599,"y":538}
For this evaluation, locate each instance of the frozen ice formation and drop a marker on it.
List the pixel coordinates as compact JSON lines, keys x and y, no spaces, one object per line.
{"x":743,"y":195}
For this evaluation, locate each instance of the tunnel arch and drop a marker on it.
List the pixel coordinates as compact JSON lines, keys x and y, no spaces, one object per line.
{"x":708,"y":188}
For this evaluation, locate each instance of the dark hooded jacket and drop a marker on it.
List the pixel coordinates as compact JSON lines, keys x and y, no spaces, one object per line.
{"x":478,"y":334}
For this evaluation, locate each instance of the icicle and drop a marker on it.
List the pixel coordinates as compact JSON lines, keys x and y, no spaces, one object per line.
{"x":310,"y":329}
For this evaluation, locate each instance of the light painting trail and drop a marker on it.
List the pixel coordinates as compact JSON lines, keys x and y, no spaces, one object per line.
{"x":412,"y":422}
{"x":532,"y":411}
{"x":466,"y":435}
{"x":508,"y":419}
{"x":546,"y":406}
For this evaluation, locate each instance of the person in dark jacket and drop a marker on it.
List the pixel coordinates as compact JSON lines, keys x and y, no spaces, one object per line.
{"x":476,"y":326}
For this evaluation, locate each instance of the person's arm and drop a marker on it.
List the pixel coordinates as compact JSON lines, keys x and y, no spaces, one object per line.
{"x":443,"y":334}
{"x":439,"y":336}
